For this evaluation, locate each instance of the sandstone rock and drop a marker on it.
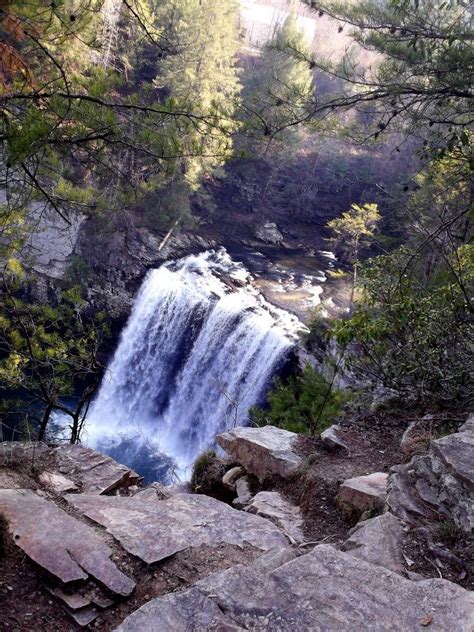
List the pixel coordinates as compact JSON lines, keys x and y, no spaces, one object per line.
{"x":155,"y":529}
{"x":73,"y":601}
{"x":21,"y":453}
{"x":85,"y":616}
{"x":262,"y":451}
{"x":230,"y":477}
{"x":456,"y":451}
{"x":468,"y":425}
{"x":269,"y":233}
{"x":330,"y":437}
{"x":321,"y":591}
{"x":244,"y":495}
{"x":378,"y":541}
{"x":57,"y":482}
{"x":437,"y":484}
{"x":363,"y":493}
{"x":95,"y":472}
{"x":274,"y":507}
{"x":417,"y":431}
{"x":68,"y":549}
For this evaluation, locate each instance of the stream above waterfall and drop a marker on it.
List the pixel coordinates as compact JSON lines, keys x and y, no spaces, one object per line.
{"x":200,"y":347}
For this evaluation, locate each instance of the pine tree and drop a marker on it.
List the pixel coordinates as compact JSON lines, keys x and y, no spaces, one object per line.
{"x":280,"y":90}
{"x":199,"y":74}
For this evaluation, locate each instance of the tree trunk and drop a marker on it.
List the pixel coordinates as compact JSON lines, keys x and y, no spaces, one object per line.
{"x":44,"y":421}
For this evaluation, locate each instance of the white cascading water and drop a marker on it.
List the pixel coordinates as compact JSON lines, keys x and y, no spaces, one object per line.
{"x":193,"y":357}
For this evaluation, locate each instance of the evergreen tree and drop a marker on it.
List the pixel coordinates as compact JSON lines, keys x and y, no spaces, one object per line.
{"x":200,"y":76}
{"x":423,"y":83}
{"x":280,"y":89}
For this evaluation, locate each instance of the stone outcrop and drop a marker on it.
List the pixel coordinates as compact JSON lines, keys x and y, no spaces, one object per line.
{"x":378,"y":541}
{"x":68,"y":467}
{"x":274,"y":507}
{"x":68,"y":549}
{"x":323,"y":590}
{"x":439,"y":484}
{"x":363,"y":493}
{"x":95,"y":472}
{"x":266,"y":451}
{"x":269,"y":233}
{"x":155,"y":529}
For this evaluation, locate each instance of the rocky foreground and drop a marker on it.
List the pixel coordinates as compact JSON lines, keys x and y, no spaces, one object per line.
{"x":87,"y":546}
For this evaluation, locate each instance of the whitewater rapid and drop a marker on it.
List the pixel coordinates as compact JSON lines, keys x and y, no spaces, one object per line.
{"x":200,"y":347}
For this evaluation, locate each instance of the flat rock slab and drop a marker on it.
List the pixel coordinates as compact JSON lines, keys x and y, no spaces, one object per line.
{"x":57,"y":483}
{"x":321,"y":591}
{"x":95,"y":472}
{"x":274,"y":507}
{"x":363,"y":493}
{"x":65,"y":547}
{"x":154,"y":529}
{"x":378,"y":541}
{"x":262,"y":451}
{"x":457,"y":453}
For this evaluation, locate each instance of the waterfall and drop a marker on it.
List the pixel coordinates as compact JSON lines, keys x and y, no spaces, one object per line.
{"x":200,"y":347}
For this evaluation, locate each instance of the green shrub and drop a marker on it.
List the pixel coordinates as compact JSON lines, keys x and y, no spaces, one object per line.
{"x":305,"y":403}
{"x":411,"y":331}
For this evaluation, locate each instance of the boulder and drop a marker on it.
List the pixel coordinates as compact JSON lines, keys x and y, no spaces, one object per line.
{"x":94,"y":472}
{"x":378,"y":541}
{"x":331,"y":438}
{"x":363,"y":493}
{"x":269,"y":233}
{"x":65,"y":547}
{"x":57,"y":483}
{"x":230,"y":477}
{"x":244,"y":494}
{"x":274,"y":507}
{"x":320,"y":591}
{"x":438,"y":484}
{"x":154,"y":529}
{"x":264,"y":452}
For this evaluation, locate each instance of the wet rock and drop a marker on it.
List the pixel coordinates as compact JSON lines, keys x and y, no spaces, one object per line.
{"x":363,"y":493}
{"x":262,"y":451}
{"x":68,"y":549}
{"x":95,"y":472}
{"x":378,"y":541}
{"x":155,"y":529}
{"x":438,"y":484}
{"x":331,"y":438}
{"x":323,"y":590}
{"x":274,"y":507}
{"x":244,"y":493}
{"x":230,"y":477}
{"x":269,"y":233}
{"x":57,"y":483}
